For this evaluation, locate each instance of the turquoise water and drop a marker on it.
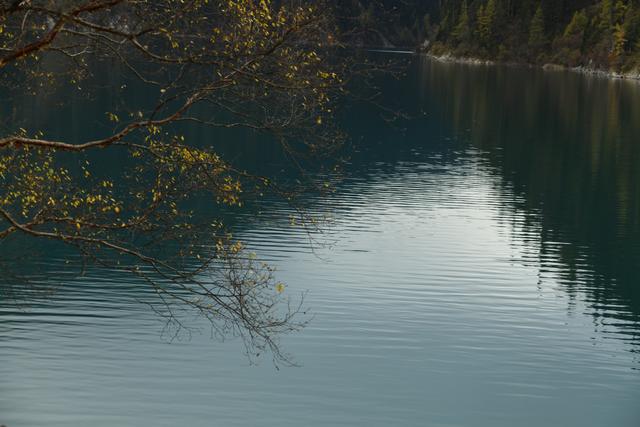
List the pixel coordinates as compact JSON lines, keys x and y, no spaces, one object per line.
{"x":481,"y":269}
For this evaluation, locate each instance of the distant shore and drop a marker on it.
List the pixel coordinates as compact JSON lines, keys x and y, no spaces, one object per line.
{"x":451,"y":58}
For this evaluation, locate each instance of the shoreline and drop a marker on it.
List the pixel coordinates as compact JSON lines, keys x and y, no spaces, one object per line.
{"x":585,"y":70}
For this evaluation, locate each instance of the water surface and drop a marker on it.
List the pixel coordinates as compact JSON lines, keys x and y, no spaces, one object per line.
{"x":483,"y":270}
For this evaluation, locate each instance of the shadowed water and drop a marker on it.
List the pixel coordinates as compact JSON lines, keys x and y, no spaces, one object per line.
{"x":482,"y":270}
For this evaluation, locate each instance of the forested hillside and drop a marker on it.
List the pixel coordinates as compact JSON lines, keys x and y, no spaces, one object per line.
{"x":601,"y":34}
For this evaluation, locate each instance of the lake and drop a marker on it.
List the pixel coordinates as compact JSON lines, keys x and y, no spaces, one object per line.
{"x":481,"y":267}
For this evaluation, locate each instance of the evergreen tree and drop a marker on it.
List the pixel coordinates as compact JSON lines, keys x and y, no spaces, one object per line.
{"x":491,"y":11}
{"x":605,"y":16}
{"x":486,"y":20}
{"x":445,"y":23}
{"x":574,"y":35}
{"x":568,"y":48}
{"x":619,"y":41}
{"x":619,"y":12}
{"x":462,"y":32}
{"x":537,"y":38}
{"x":578,"y":25}
{"x":480,"y":22}
{"x":632,"y":24}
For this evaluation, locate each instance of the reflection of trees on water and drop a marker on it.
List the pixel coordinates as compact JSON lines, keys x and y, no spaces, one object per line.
{"x":566,"y":150}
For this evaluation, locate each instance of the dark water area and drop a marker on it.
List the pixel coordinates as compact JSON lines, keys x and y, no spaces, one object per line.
{"x":481,"y":267}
